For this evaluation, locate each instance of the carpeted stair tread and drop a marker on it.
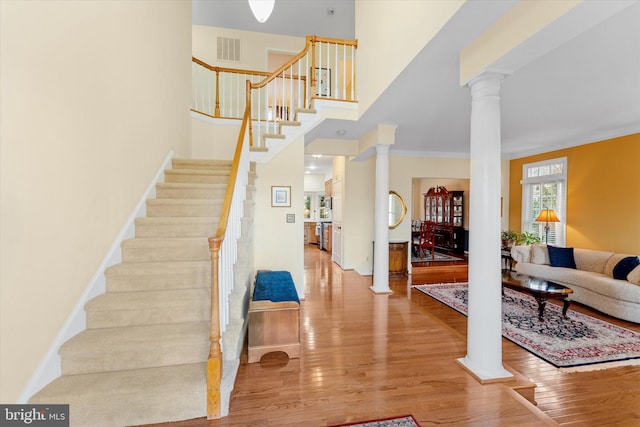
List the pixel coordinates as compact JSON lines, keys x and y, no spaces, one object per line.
{"x":201,"y":164}
{"x":178,"y":190}
{"x":135,"y":347}
{"x":184,"y":207}
{"x":118,"y":309}
{"x":131,"y":397}
{"x":142,"y":358}
{"x":139,"y":276}
{"x":176,"y":226}
{"x":189,"y":176}
{"x":165,"y":249}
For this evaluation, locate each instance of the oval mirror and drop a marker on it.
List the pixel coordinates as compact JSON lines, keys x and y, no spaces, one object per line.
{"x":397,"y":209}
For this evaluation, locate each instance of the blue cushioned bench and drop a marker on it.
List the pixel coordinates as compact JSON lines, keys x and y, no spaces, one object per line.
{"x":274,"y":316}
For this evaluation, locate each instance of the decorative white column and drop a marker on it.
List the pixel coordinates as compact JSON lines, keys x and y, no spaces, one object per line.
{"x":381,"y":222}
{"x":484,"y":323}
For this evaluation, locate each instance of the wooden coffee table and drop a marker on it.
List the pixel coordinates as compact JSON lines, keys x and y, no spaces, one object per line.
{"x":541,"y":289}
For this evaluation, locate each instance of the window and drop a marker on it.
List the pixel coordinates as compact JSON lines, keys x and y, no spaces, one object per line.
{"x":314,"y":207}
{"x":544,"y":187}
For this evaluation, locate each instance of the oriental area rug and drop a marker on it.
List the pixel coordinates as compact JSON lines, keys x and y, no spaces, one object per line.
{"x":437,"y":256}
{"x":579,"y":342}
{"x":403,"y":421}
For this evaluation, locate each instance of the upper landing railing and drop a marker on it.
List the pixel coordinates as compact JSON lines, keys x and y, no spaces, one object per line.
{"x":324,"y":69}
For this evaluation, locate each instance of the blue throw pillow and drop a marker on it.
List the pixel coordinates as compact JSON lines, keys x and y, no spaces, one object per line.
{"x":561,"y":257}
{"x":624,"y":267}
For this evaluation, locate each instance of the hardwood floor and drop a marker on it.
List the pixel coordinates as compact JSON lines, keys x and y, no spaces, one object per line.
{"x":367,"y":356}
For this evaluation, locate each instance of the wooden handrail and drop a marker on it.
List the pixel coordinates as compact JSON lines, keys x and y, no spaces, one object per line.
{"x":228,"y":70}
{"x":289,"y":63}
{"x":310,"y":42}
{"x":214,"y":361}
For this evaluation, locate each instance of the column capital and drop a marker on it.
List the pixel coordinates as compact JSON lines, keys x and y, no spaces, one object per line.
{"x":488,"y":74}
{"x":382,"y":148}
{"x":487,"y":83}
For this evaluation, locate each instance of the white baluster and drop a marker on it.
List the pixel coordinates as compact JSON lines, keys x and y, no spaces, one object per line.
{"x":307,"y":81}
{"x":318,"y":86}
{"x":328,"y":70}
{"x":344,"y":71}
{"x":298,"y":85}
{"x":335,"y":66}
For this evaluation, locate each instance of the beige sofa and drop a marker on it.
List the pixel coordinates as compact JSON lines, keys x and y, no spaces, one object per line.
{"x":592,"y":280}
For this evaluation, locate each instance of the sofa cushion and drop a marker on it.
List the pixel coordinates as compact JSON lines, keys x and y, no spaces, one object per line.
{"x":625,"y":266}
{"x":539,"y":254}
{"x":561,"y":257}
{"x":521,"y":253}
{"x":634,"y":276}
{"x":613,"y":261}
{"x":591,"y":260}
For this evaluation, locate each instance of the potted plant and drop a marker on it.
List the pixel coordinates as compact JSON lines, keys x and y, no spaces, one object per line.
{"x":509,"y":237}
{"x":527,"y":238}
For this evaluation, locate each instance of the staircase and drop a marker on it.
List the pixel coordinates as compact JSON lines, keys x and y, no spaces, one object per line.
{"x":142,"y":358}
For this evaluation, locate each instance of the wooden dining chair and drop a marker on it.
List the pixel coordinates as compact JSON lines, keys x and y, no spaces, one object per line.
{"x":424,"y":240}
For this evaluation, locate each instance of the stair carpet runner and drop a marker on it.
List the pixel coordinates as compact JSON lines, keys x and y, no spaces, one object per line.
{"x":142,"y":358}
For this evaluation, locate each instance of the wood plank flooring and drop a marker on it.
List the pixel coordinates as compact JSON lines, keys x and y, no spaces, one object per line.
{"x":368,"y":356}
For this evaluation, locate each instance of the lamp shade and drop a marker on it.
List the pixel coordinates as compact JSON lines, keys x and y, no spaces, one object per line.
{"x":547,"y":215}
{"x":261,"y":9}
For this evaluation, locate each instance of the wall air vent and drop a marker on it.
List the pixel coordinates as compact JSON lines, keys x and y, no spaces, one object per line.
{"x":228,"y":49}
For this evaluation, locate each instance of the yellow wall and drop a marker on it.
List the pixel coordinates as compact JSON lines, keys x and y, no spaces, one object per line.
{"x":603,"y":194}
{"x":94,"y":96}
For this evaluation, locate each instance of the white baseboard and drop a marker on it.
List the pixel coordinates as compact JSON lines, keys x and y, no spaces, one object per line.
{"x":49,"y":367}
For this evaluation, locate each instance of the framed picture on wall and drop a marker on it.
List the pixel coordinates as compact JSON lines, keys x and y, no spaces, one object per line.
{"x":280,"y":197}
{"x":323,"y":81}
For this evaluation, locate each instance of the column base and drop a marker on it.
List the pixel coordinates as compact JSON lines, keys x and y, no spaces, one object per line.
{"x":500,"y":375}
{"x":380,"y":291}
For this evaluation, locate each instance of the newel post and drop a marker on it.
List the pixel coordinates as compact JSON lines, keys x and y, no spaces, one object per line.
{"x":247,"y":102}
{"x":312,"y":86}
{"x":217,"y":110}
{"x":214,"y":361}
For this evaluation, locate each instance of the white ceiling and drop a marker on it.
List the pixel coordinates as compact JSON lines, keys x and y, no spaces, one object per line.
{"x":582,"y":91}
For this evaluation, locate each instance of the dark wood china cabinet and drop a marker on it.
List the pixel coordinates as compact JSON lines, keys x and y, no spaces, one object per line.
{"x":445,"y":208}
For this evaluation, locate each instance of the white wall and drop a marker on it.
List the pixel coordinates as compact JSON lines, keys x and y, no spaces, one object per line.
{"x":254,"y":46}
{"x":279,"y":245}
{"x":213,"y":139}
{"x":314,"y":182}
{"x":94,"y":96}
{"x":358,"y":215}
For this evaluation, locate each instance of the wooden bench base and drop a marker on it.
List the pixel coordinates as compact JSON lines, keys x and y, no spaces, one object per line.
{"x":273,"y":326}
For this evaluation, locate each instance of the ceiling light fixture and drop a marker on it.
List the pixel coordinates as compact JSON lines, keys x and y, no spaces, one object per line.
{"x":316,"y":156}
{"x":261,"y":9}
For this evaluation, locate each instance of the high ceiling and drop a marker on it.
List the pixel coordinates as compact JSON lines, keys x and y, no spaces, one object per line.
{"x":584,"y":90}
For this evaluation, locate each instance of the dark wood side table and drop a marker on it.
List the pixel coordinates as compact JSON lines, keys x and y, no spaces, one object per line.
{"x":507,"y":261}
